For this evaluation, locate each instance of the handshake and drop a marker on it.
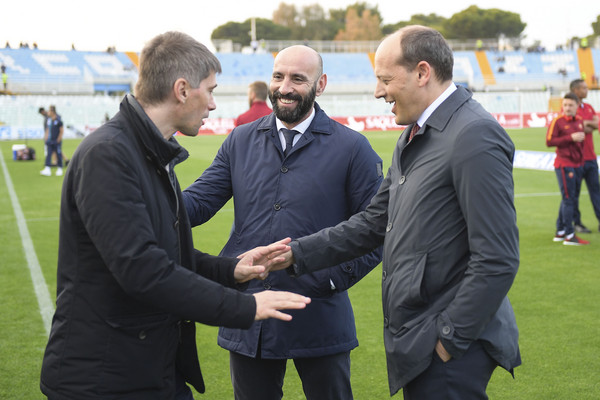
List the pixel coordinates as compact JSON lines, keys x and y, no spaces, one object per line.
{"x":256,"y":264}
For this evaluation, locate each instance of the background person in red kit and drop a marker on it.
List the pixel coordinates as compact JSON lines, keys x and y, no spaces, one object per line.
{"x":257,"y":98}
{"x":590,"y":163}
{"x":566,"y":133}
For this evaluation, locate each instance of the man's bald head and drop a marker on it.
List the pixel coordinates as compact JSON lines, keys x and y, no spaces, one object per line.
{"x":311,"y":59}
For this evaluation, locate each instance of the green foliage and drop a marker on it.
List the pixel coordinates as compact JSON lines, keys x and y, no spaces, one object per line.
{"x":239,"y":32}
{"x":361,"y":6}
{"x":312,"y":22}
{"x":475,"y":22}
{"x":596,"y":26}
{"x":231,"y":30}
{"x":432,"y":20}
{"x":555,"y":294}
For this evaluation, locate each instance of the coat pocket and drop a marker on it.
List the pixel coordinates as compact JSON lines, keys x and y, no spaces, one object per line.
{"x":404,"y":293}
{"x":139,"y":353}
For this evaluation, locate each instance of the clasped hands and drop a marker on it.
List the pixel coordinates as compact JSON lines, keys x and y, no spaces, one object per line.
{"x":256,"y":264}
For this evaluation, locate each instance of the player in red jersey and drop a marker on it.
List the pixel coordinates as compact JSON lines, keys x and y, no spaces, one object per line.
{"x":590,"y":163}
{"x":566,"y":133}
{"x":257,"y":98}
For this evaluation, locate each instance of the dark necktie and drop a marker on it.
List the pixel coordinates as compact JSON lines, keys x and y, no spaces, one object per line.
{"x":414,"y":130}
{"x":289,"y":139}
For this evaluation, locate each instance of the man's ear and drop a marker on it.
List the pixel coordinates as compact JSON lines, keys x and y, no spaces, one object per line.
{"x":321,"y":83}
{"x":423,"y":71}
{"x":181,"y":90}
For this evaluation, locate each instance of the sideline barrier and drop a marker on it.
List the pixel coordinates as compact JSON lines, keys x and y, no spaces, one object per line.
{"x":222,"y":126}
{"x":538,"y":160}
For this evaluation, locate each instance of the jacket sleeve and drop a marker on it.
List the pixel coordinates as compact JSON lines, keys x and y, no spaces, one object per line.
{"x":215,"y":268}
{"x":482,"y":176}
{"x":359,"y":235}
{"x":212,"y":190}
{"x":117,"y":219}
{"x":364,"y":179}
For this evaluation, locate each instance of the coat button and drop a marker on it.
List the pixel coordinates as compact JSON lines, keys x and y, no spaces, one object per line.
{"x":386,"y":322}
{"x":446,"y":330}
{"x":384,"y":275}
{"x":277,"y":206}
{"x":284,"y":169}
{"x":388,"y":227}
{"x":402,"y":179}
{"x":267,"y":285}
{"x":142,"y":335}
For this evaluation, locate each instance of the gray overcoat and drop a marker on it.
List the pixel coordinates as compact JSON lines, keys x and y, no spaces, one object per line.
{"x":445,"y":215}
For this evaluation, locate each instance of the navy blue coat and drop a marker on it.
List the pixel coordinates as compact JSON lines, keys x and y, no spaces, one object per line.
{"x":330,"y":174}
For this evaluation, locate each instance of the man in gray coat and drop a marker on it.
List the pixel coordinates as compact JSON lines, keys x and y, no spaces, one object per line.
{"x":445,"y":215}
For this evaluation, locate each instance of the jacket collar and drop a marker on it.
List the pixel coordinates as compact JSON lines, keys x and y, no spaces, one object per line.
{"x":160,"y":151}
{"x":440,"y":117}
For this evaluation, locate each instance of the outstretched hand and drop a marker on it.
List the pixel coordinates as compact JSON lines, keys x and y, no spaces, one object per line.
{"x":269,"y":302}
{"x":258,"y":262}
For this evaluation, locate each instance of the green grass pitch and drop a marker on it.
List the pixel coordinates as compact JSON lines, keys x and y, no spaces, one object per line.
{"x":555,"y":295}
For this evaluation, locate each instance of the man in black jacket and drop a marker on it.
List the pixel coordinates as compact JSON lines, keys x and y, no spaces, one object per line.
{"x":130,"y":283}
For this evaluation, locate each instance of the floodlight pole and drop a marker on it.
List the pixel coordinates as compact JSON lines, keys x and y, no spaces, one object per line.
{"x":253,"y":29}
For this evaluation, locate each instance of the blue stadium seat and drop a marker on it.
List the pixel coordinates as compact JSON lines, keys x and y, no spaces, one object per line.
{"x":348,"y":68}
{"x":85,"y":72}
{"x":32,"y":70}
{"x":241,"y":68}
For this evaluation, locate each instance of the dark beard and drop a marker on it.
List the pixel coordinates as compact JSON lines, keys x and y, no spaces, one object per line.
{"x":302,"y":108}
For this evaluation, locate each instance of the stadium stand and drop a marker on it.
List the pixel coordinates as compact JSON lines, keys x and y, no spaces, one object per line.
{"x":467,"y":70}
{"x":348,"y":72}
{"x":82,"y":72}
{"x":534,"y":71}
{"x":67,"y":72}
{"x":86,"y":85}
{"x":241,"y":69}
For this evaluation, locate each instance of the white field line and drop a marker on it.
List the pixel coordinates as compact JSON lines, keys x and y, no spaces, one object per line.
{"x":39,"y":283}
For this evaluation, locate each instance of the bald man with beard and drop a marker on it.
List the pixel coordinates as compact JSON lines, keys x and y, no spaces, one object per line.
{"x":292,"y":173}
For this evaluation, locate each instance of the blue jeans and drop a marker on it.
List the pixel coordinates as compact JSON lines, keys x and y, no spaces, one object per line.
{"x":590,"y":176}
{"x":569,"y":182}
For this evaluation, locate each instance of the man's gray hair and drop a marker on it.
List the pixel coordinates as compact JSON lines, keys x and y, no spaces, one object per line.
{"x":168,"y":57}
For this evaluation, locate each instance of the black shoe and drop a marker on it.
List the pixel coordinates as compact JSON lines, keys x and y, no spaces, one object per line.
{"x":581,"y":229}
